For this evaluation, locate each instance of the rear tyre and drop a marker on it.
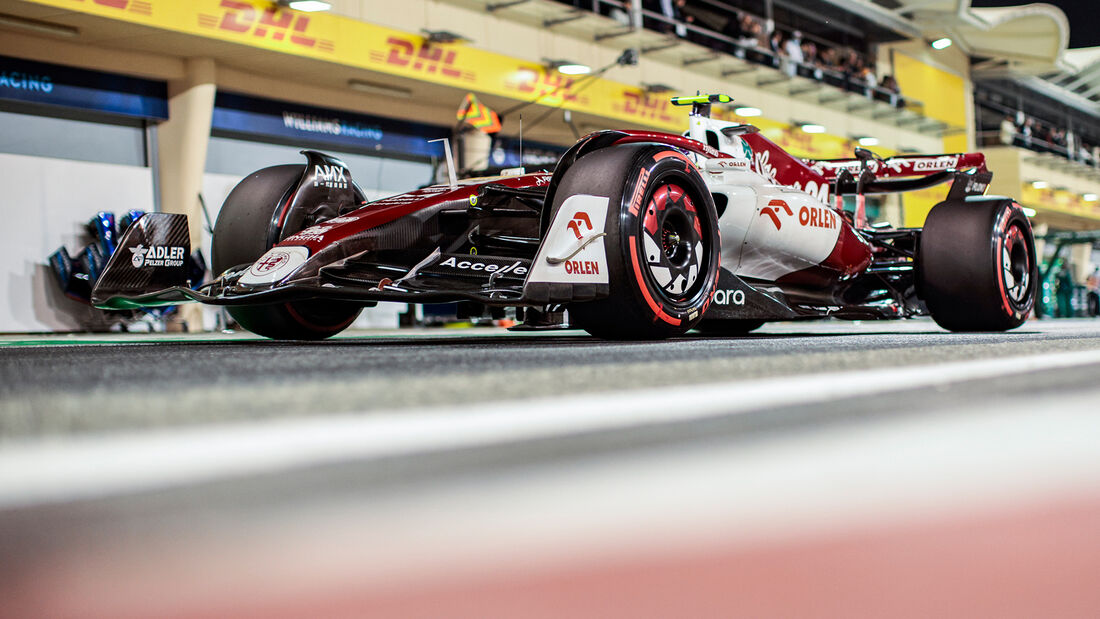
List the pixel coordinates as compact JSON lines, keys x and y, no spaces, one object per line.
{"x":731,"y":326}
{"x":976,"y":265}
{"x":662,"y":241}
{"x":245,"y":230}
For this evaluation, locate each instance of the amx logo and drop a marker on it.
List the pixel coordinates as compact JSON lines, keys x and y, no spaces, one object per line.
{"x":331,"y":176}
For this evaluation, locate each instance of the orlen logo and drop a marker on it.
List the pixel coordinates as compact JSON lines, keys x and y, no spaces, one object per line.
{"x":273,"y":261}
{"x":331,"y":176}
{"x":770,"y":211}
{"x":580,"y":220}
{"x":141,"y":7}
{"x":817,"y":217}
{"x":421,"y":57}
{"x":279,"y":25}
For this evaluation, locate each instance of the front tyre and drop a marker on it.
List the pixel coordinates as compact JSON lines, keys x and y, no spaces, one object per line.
{"x":245,"y":230}
{"x":976,"y":265}
{"x":662,"y":241}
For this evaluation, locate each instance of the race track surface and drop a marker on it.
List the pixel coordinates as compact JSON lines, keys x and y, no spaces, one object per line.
{"x":813,"y":470}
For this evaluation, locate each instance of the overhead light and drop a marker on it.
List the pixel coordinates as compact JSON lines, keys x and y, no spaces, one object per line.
{"x":867,"y":141}
{"x":574,"y":69}
{"x":1040,"y":184}
{"x":943,"y":43}
{"x":812,"y":128}
{"x":375,"y":88}
{"x":1090,"y":197}
{"x":34,"y":25}
{"x":1030,"y":212}
{"x":306,"y":6}
{"x":443,"y":36}
{"x":747,"y":111}
{"x":568,"y":67}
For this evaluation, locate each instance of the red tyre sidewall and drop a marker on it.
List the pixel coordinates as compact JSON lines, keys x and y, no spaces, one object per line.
{"x":1009,"y":217}
{"x":653,"y":168}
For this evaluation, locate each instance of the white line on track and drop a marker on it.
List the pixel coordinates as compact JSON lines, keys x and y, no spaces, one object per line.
{"x":72,"y":468}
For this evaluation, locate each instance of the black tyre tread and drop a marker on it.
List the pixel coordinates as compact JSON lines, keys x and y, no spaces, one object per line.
{"x":242,"y":235}
{"x":959,"y":266}
{"x":241,"y":231}
{"x":624,"y":315}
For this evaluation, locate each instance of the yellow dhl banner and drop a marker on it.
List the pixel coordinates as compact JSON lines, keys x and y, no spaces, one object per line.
{"x":259,"y":23}
{"x":1058,"y":200}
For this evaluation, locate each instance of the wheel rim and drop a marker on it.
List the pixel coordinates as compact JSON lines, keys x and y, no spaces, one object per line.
{"x":672,"y":237}
{"x":1016,"y":265}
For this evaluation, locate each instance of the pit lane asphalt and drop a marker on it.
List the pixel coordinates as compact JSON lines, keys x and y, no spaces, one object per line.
{"x":55,"y":386}
{"x":782,"y":470}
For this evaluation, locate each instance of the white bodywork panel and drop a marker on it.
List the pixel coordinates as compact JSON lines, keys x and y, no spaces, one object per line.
{"x":768,"y":230}
{"x":574,"y":252}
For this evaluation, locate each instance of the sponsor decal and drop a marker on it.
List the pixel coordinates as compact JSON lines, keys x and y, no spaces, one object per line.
{"x":316,"y":234}
{"x":473,"y":265}
{"x":817,"y":217}
{"x":640,"y":105}
{"x":729,"y":297}
{"x":546,"y":85}
{"x":276,"y":264}
{"x":582,"y":267}
{"x":272,"y":261}
{"x":141,"y":7}
{"x":25,"y":81}
{"x":764,"y":166}
{"x":157,"y":256}
{"x":341,"y":220}
{"x":770,"y":211}
{"x":946,"y":162}
{"x":331,"y":126}
{"x":419,"y":56}
{"x":331,"y":176}
{"x":811,"y":187}
{"x":720,"y":165}
{"x":639,"y":192}
{"x":580,"y":219}
{"x":271,"y":23}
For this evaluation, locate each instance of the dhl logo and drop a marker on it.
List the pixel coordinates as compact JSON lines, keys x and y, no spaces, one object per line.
{"x":141,"y":7}
{"x":420,"y":56}
{"x":278,"y":25}
{"x":548,"y":86}
{"x":643,"y":106}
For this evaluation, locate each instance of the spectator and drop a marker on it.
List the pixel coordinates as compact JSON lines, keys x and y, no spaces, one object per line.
{"x":1064,"y":286}
{"x":667,"y":8}
{"x":623,"y":15}
{"x":1092,"y":283}
{"x":793,"y":50}
{"x":1008,"y":130}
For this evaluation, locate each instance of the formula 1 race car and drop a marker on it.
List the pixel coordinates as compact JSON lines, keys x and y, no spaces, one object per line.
{"x":638,"y":235}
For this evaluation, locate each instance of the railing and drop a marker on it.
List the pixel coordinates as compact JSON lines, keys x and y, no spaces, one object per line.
{"x":631,"y":16}
{"x":1089,"y":158}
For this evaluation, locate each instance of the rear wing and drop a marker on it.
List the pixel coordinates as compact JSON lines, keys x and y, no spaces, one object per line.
{"x":966,"y":171}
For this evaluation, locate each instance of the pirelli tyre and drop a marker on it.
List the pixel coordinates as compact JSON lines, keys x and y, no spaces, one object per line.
{"x":244,"y":232}
{"x":976,"y":265}
{"x":662,"y":241}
